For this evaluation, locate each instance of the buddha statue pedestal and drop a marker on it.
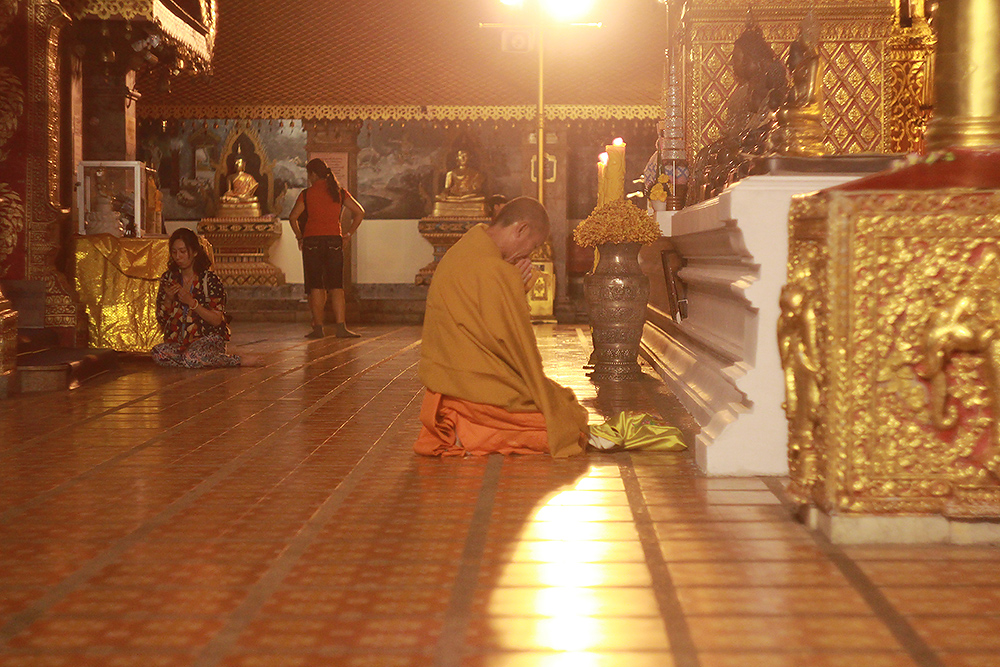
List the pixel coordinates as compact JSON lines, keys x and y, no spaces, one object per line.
{"x":239,"y":210}
{"x":471,"y":208}
{"x":241,"y":245}
{"x":442,"y":233}
{"x":889,"y":336}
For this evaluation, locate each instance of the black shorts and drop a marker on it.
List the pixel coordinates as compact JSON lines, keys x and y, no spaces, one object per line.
{"x":323,"y":262}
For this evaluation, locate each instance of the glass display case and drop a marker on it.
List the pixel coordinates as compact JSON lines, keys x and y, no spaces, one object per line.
{"x":119,"y":198}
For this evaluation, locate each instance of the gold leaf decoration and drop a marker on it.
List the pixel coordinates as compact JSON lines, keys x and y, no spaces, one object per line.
{"x":11,"y":107}
{"x":11,"y":221}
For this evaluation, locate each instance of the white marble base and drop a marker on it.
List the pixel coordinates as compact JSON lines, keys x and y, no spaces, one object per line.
{"x":722,"y":361}
{"x":881,"y":529}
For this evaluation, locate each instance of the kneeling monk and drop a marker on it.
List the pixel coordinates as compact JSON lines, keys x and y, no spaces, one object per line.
{"x":486,"y":390}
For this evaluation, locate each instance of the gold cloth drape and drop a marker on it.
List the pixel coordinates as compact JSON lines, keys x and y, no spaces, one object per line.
{"x":116,"y":280}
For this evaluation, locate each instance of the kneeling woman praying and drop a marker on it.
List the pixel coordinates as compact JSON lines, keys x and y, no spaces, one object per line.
{"x":191,"y":309}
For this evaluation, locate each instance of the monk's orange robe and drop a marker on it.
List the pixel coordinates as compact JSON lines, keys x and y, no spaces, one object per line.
{"x":480,"y":355}
{"x":453,"y":427}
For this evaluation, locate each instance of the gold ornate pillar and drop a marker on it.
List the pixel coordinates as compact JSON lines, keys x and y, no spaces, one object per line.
{"x":910,"y":67}
{"x":47,"y":219}
{"x":967,"y":75}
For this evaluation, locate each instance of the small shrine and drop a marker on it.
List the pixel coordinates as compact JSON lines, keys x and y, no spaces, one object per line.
{"x":244,"y":225}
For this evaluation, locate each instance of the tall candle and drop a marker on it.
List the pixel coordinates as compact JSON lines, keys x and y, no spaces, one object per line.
{"x":614,"y":174}
{"x":602,"y":163}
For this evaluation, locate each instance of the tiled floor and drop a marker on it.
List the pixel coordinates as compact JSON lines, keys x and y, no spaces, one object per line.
{"x":275,"y":515}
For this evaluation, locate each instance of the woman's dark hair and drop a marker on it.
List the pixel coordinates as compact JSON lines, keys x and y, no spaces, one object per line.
{"x":318,"y":168}
{"x":201,"y":260}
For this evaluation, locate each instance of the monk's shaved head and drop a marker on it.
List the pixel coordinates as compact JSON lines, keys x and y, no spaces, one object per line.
{"x":523,"y":209}
{"x":518,"y":228}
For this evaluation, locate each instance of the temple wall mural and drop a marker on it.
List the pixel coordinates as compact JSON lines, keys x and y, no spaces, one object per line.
{"x":400,"y":166}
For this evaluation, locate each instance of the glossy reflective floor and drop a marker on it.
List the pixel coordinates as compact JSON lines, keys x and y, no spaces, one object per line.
{"x":275,"y":515}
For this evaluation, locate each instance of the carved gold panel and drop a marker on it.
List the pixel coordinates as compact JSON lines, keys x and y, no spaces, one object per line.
{"x":904,"y":289}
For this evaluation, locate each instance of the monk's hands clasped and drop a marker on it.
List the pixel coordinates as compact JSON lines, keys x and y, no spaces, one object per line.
{"x":524,"y":266}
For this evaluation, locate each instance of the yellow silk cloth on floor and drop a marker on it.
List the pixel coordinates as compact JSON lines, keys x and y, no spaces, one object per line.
{"x":636,"y":430}
{"x":116,"y":280}
{"x":478,"y":344}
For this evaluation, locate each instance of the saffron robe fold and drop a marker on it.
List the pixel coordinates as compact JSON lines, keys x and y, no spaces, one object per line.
{"x":479,"y":346}
{"x":456,"y":427}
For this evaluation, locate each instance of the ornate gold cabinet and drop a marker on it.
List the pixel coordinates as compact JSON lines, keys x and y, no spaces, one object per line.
{"x":890,"y":343}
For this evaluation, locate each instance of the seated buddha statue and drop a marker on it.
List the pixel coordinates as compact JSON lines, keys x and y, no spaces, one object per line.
{"x":462,"y":195}
{"x":239,"y":200}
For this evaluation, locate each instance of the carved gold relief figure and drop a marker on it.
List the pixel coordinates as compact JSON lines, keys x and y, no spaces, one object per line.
{"x":798,"y":345}
{"x":971,"y":323}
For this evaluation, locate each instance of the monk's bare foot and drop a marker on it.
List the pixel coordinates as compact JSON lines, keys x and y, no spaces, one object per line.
{"x":344,"y":332}
{"x":317,"y":332}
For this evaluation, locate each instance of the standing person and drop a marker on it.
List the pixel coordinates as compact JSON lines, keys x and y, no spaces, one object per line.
{"x":191,"y":309}
{"x":321,"y":241}
{"x":486,"y":389}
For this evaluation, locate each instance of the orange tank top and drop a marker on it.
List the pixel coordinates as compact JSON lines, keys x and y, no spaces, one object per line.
{"x":323,"y":212}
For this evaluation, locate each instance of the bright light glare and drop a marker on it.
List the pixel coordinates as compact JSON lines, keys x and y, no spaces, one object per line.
{"x":512,"y":3}
{"x":568,"y":10}
{"x":618,"y":142}
{"x":568,"y":633}
{"x":603,"y":158}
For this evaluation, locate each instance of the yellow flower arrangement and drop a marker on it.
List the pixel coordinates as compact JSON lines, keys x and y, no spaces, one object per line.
{"x":618,"y":221}
{"x":661,"y":189}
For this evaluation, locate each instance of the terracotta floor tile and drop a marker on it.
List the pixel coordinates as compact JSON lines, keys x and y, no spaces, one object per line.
{"x":567,"y":601}
{"x":801,"y":659}
{"x":789,"y":573}
{"x":583,"y":530}
{"x":784,"y":633}
{"x":94,"y":600}
{"x":72,"y":658}
{"x":568,"y":633}
{"x":945,"y":601}
{"x":569,"y":574}
{"x":970,"y":633}
{"x":574,"y":551}
{"x":749,"y":550}
{"x":783,"y":601}
{"x":931,"y":573}
{"x":117,"y":632}
{"x":571,"y":659}
{"x":320,"y":632}
{"x":960,"y":659}
{"x":356,"y":603}
{"x":731,"y":530}
{"x":366,"y":658}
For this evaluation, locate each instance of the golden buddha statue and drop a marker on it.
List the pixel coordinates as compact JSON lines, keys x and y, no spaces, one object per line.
{"x":462,"y":195}
{"x":800,"y":118}
{"x":239,"y":200}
